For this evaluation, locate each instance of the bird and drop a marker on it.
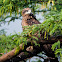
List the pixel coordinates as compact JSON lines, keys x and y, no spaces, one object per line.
{"x":28,"y":18}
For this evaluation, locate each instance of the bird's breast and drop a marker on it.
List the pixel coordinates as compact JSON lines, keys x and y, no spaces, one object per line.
{"x":29,"y":20}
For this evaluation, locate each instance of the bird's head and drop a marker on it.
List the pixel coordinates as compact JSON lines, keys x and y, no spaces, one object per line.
{"x":26,"y":11}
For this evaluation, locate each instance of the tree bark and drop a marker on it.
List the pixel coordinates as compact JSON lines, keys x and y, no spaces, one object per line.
{"x":10,"y":54}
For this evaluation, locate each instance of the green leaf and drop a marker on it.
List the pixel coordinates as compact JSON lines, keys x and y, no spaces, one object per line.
{"x":35,"y":38}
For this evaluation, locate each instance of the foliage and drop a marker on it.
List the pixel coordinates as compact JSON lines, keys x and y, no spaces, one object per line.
{"x":58,"y":50}
{"x":13,"y":8}
{"x":53,"y":23}
{"x":7,"y":43}
{"x":56,"y":45}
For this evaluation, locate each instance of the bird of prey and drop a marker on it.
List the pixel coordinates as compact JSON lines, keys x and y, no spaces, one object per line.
{"x":28,"y":18}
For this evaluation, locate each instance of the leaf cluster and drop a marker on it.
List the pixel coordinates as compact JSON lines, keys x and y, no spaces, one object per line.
{"x":53,"y":23}
{"x":57,"y":50}
{"x":13,"y":8}
{"x":6,"y":43}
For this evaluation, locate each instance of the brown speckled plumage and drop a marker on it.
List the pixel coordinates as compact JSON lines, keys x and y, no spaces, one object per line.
{"x":28,"y":19}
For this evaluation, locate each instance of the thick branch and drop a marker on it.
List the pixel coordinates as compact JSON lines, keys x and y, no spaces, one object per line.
{"x":10,"y":54}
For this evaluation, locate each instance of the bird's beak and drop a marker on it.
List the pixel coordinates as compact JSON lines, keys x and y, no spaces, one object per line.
{"x":29,"y":11}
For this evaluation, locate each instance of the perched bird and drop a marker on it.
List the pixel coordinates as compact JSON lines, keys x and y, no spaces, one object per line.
{"x":28,"y":18}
